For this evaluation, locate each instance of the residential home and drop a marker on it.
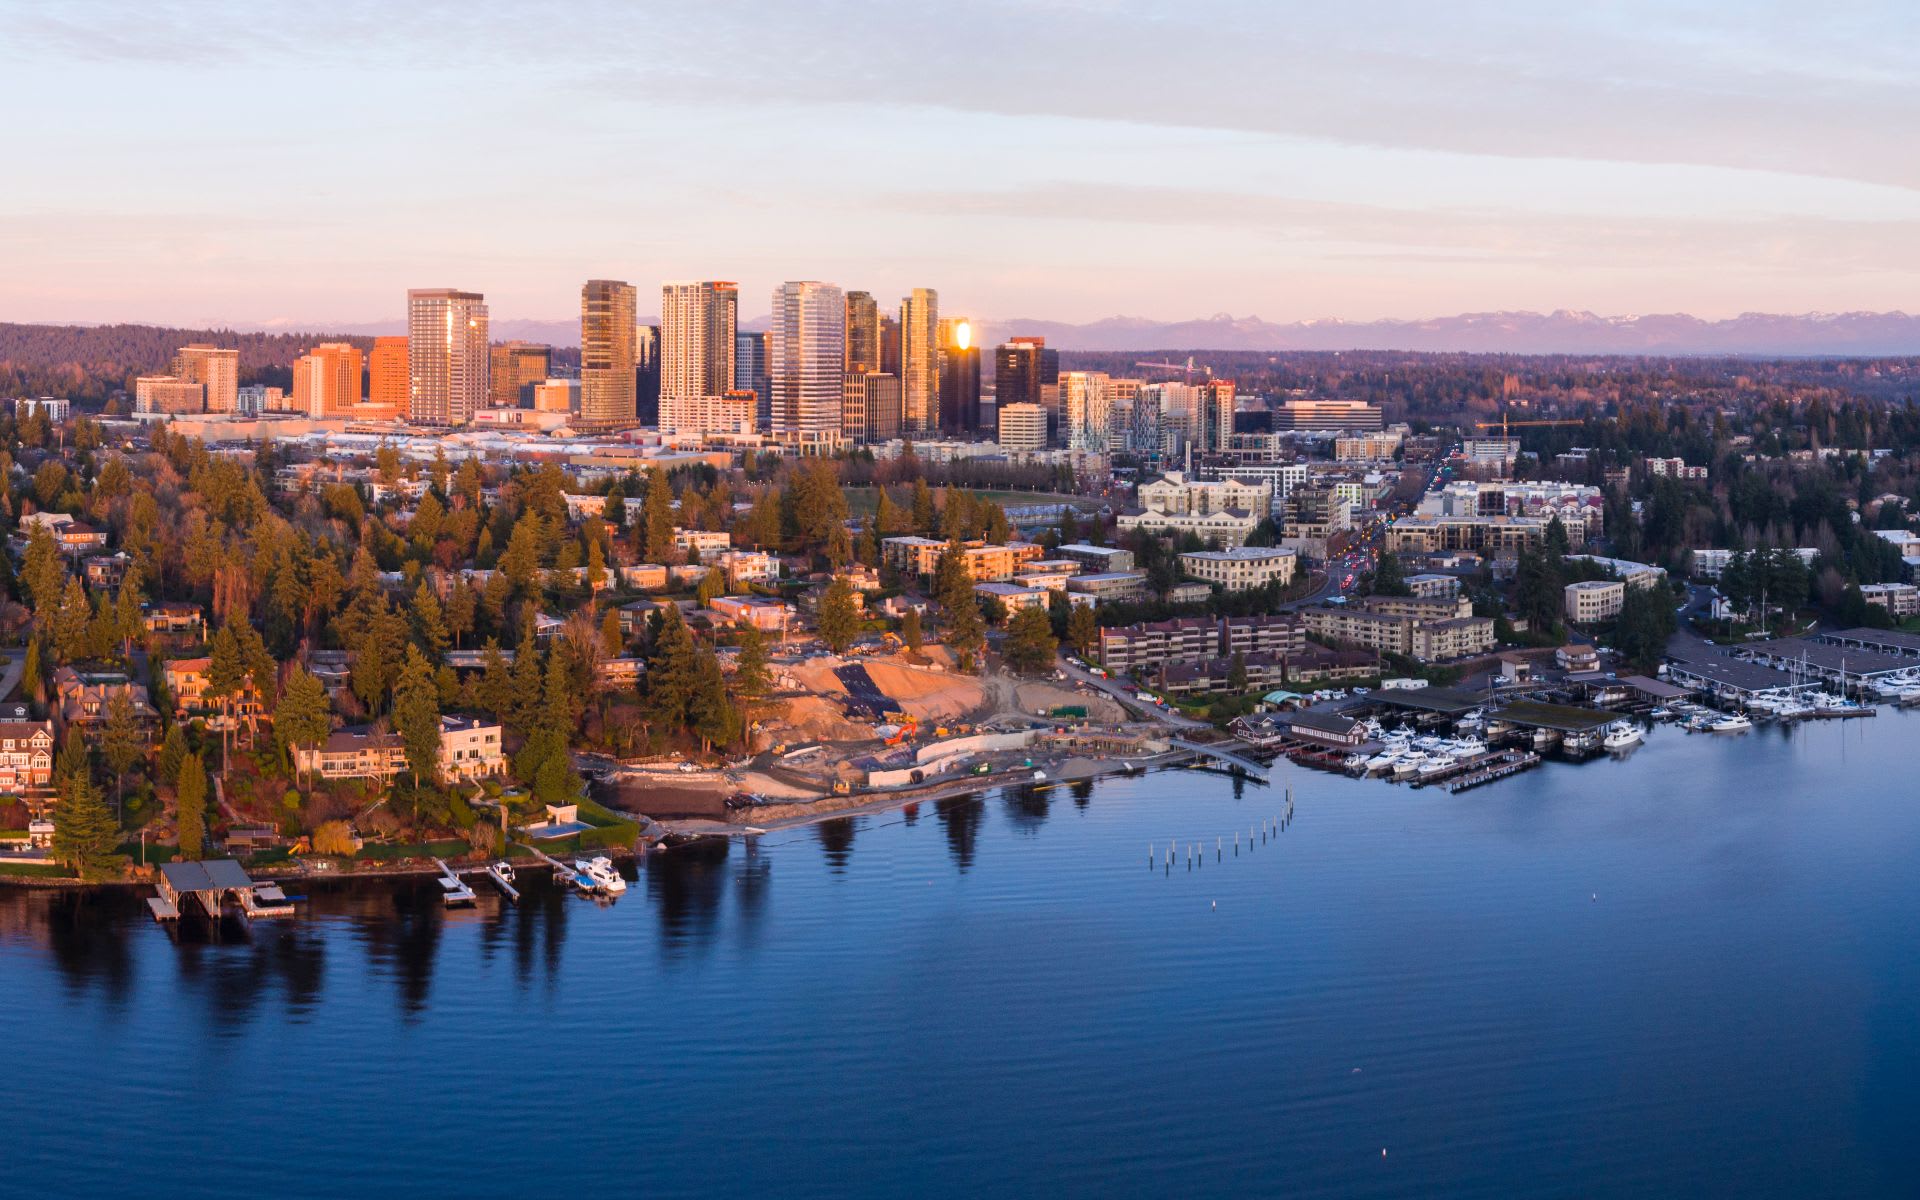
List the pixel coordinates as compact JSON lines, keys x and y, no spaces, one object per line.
{"x":26,"y":755}
{"x":187,"y":687}
{"x":172,"y":617}
{"x":107,"y":572}
{"x":761,"y":612}
{"x":83,"y":695}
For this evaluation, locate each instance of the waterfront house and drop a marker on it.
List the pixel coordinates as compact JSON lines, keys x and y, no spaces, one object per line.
{"x":26,"y":755}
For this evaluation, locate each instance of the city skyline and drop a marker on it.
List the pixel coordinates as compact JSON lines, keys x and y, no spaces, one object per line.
{"x":1705,"y":160}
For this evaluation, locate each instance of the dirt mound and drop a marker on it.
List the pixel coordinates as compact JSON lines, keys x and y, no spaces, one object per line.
{"x":927,"y":694}
{"x":1036,"y":696}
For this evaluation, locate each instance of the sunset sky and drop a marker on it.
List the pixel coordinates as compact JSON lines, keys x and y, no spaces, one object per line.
{"x":1069,"y":159}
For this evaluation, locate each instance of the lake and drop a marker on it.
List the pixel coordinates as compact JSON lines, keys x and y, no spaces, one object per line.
{"x":1689,"y":972}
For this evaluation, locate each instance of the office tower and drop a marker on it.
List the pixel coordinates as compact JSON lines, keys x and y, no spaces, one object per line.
{"x":1084,"y":405}
{"x":326,"y":380}
{"x":805,"y":350}
{"x":1216,"y":414}
{"x":959,"y":378}
{"x":168,"y":394}
{"x":870,"y":406}
{"x":920,"y":360}
{"x":514,"y":367}
{"x":1121,"y":394}
{"x":387,"y":374}
{"x":1016,"y":372}
{"x":750,"y":373}
{"x":607,"y":348}
{"x":863,"y":333}
{"x":447,"y":355}
{"x":889,"y":344}
{"x":1023,"y":426}
{"x":215,"y":369}
{"x":646,"y":373}
{"x":558,"y":395}
{"x":697,"y":324}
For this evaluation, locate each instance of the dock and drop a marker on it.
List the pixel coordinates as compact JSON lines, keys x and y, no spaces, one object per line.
{"x":1219,"y":753}
{"x":454,"y":890}
{"x":1506,"y":762}
{"x":210,"y":885}
{"x":500,"y":881}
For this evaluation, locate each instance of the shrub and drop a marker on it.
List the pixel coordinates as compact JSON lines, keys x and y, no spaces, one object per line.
{"x":333,"y":837}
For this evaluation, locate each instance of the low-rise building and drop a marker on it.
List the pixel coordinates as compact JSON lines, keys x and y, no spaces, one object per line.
{"x":1401,"y":626}
{"x":1590,"y":601}
{"x":1097,"y":558}
{"x":470,"y":748}
{"x":1109,"y":585}
{"x":701,"y":541}
{"x":743,"y":567}
{"x":762,"y":612}
{"x":1901,"y":600}
{"x":187,"y":683}
{"x":83,"y":695}
{"x":1013,"y":596}
{"x":1242,"y":568}
{"x":1433,"y":586}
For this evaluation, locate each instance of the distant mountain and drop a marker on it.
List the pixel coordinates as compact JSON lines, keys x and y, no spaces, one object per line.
{"x":1563,"y":332}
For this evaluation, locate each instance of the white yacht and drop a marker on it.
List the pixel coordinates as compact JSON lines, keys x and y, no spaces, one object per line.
{"x":1437,"y":765}
{"x":1620,"y":735}
{"x":1408,"y":763}
{"x":1730,"y":724}
{"x":604,"y":877}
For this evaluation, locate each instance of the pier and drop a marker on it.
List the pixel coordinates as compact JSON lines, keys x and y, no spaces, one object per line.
{"x":453,"y":889}
{"x":1503,"y":764}
{"x":1218,"y":753}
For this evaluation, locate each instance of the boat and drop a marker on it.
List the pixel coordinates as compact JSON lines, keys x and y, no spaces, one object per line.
{"x":1409,"y":763}
{"x":1384,"y":761}
{"x":504,"y":870}
{"x":1621,"y":735}
{"x":1039,"y":777}
{"x":1730,"y":724}
{"x":1437,"y":766}
{"x":605,"y":877}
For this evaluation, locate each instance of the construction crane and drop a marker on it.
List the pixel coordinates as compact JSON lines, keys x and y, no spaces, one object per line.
{"x":1503,"y":424}
{"x":1168,"y":366}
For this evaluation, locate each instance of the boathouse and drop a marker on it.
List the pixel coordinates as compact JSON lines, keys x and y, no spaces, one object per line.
{"x":211,"y":884}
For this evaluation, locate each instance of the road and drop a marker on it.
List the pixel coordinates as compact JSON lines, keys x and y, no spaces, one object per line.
{"x":1125,"y":695}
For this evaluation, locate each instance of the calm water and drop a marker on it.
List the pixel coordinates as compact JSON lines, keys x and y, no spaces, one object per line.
{"x":1690,"y":973}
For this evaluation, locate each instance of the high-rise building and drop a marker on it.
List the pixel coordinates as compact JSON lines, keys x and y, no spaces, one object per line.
{"x":1023,"y":426}
{"x":387,"y":374}
{"x":863,"y":333}
{"x":646,"y":373}
{"x":920,"y":360}
{"x":326,"y":380}
{"x":215,"y":369}
{"x":889,"y":344}
{"x":514,"y":368}
{"x":447,"y":356}
{"x":1026,"y":372}
{"x":806,"y":348}
{"x":1084,"y":408}
{"x":870,"y":406}
{"x":959,"y":378}
{"x":607,"y":350}
{"x":697,"y":324}
{"x":1216,"y":414}
{"x":750,"y":373}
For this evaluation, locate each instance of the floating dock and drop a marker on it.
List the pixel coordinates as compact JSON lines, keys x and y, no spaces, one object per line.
{"x":1506,"y":762}
{"x":454,"y":890}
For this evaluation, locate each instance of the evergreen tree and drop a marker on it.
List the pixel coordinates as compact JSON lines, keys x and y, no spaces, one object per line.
{"x":712,"y":584}
{"x":1030,"y":646}
{"x":305,"y":716}
{"x":190,"y":806}
{"x":123,"y":741}
{"x":173,"y":752}
{"x":1389,"y":578}
{"x":71,"y":623}
{"x":752,"y":673}
{"x":710,"y":713}
{"x":495,"y":692}
{"x":670,"y":674}
{"x":462,"y":605}
{"x":1083,"y":629}
{"x":85,"y":833}
{"x":656,"y":516}
{"x":416,"y":716}
{"x":910,"y":631}
{"x":226,"y":674}
{"x":839,"y":620}
{"x":429,"y":623}
{"x":613,"y":639}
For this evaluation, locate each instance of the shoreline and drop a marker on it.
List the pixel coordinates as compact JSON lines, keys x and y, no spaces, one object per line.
{"x":806,"y":814}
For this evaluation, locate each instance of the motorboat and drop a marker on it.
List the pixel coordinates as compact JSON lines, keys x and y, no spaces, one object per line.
{"x":1438,"y":765}
{"x":504,"y":870}
{"x":1621,"y":735}
{"x":1409,"y":763}
{"x":1384,"y":761}
{"x":1730,"y":724}
{"x":600,"y":876}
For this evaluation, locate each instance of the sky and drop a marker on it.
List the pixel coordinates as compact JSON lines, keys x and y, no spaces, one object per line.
{"x":225,"y":163}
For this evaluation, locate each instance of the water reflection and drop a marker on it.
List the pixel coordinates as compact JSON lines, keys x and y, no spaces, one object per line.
{"x":836,"y":840}
{"x":960,"y":817}
{"x":686,"y":885}
{"x":1026,"y":807}
{"x":401,"y":930}
{"x":1082,"y":792}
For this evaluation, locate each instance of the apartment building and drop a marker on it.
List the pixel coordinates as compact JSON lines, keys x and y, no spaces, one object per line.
{"x":986,"y":562}
{"x":1428,"y":638}
{"x":1242,"y":568}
